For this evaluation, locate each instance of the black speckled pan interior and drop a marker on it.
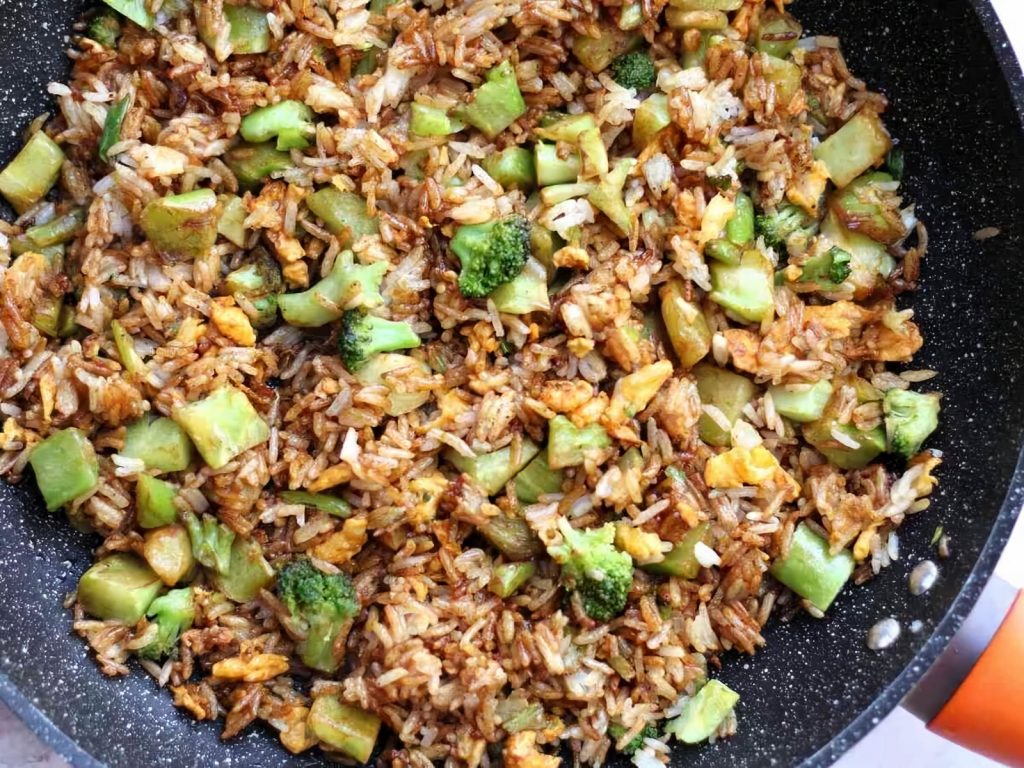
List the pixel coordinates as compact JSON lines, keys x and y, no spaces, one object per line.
{"x":957,"y":96}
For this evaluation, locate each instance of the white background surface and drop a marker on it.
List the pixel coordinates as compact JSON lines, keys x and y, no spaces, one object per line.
{"x":899,"y":740}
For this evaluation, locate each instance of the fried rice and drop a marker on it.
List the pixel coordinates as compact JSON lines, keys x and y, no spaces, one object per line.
{"x":450,"y":662}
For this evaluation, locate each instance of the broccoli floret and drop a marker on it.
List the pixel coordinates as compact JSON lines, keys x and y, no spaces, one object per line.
{"x":827,"y":269}
{"x":104,"y":29}
{"x":321,"y":604}
{"x":490,"y":254}
{"x":634,"y":70}
{"x":617,"y":731}
{"x":172,"y":613}
{"x":211,"y":542}
{"x":593,"y":567}
{"x":786,"y":221}
{"x":361,"y":336}
{"x":909,"y":418}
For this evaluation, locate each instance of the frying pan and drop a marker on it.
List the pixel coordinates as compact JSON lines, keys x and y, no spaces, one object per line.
{"x":957,"y":98}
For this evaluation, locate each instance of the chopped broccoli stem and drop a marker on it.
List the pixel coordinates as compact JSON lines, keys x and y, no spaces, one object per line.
{"x":747,"y":289}
{"x":376,"y":370}
{"x":787,"y":221}
{"x":703,"y":20}
{"x":112,"y":127}
{"x":506,"y":579}
{"x":607,"y":196}
{"x":491,"y":471}
{"x":361,"y":336}
{"x":252,"y":163}
{"x":343,"y":213}
{"x":723,"y":250}
{"x":65,"y":466}
{"x":231,"y":223}
{"x":909,"y":418}
{"x":425,"y":120}
{"x":516,"y":714}
{"x":740,"y":229}
{"x":811,"y":570}
{"x":544,"y":243}
{"x":537,"y":479}
{"x":685,"y":323}
{"x":323,"y":604}
{"x":681,"y":561}
{"x":135,"y":10}
{"x":778,"y":34}
{"x":568,"y":444}
{"x":651,"y":117}
{"x":248,"y":571}
{"x":160,"y":443}
{"x":343,"y":728}
{"x":495,"y":104}
{"x":827,"y":270}
{"x":597,"y":53}
{"x":211,"y":542}
{"x":131,"y":361}
{"x":32,"y":172}
{"x":869,"y":205}
{"x":222,"y":425}
{"x":490,"y":254}
{"x":259,"y":277}
{"x":860,"y":144}
{"x":593,"y":567}
{"x":631,"y":15}
{"x":727,"y":391}
{"x":325,"y":502}
{"x":168,"y":550}
{"x":870,"y":262}
{"x":512,"y":536}
{"x":568,"y":128}
{"x":323,"y":302}
{"x":173,"y":614}
{"x":704,"y":713}
{"x":154,"y":502}
{"x":513,"y":168}
{"x":105,"y":29}
{"x":634,"y":70}
{"x":552,"y":169}
{"x":616,"y":731}
{"x":57,"y":231}
{"x":821,"y":432}
{"x":289,"y":121}
{"x":801,"y":402}
{"x":249,"y":30}
{"x":185,"y":225}
{"x":526,"y":293}
{"x":697,"y":56}
{"x":120,"y":587}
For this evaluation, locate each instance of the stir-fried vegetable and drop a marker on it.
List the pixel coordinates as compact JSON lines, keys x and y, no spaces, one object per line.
{"x":810,"y":570}
{"x":65,"y":466}
{"x":32,"y":173}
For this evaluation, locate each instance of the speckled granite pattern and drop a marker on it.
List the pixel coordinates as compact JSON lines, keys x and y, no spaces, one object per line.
{"x":816,"y":688}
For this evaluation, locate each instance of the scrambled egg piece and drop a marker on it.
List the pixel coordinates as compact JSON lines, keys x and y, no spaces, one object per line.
{"x":807,"y":188}
{"x":644,"y":547}
{"x":633,"y":392}
{"x":749,"y":466}
{"x":255,"y":669}
{"x":716,"y":215}
{"x":190,"y":331}
{"x":521,"y":752}
{"x":572,"y":257}
{"x":158,"y":162}
{"x":330,"y":477}
{"x":566,"y":396}
{"x":341,"y":546}
{"x":428,"y":490}
{"x":294,"y":736}
{"x":232,"y":322}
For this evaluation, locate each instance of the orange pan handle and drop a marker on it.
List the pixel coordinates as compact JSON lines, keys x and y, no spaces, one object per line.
{"x":974,"y":694}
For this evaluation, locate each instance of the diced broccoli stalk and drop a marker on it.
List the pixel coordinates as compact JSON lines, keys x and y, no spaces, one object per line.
{"x":120,"y":587}
{"x":513,"y":168}
{"x":131,"y":361}
{"x":607,"y":196}
{"x":857,"y":448}
{"x":786,"y":222}
{"x":248,"y":572}
{"x":343,"y":728}
{"x":723,"y":250}
{"x":160,"y":443}
{"x":211,"y":542}
{"x":860,"y":144}
{"x":491,"y":471}
{"x":512,"y":536}
{"x":252,"y":163}
{"x":909,"y":418}
{"x":785,"y":75}
{"x":616,"y":731}
{"x":323,"y":605}
{"x":695,"y":57}
{"x":631,"y":15}
{"x":376,"y":370}
{"x":594,"y":568}
{"x":740,"y":229}
{"x":343,"y":213}
{"x":811,"y":570}
{"x":154,"y":502}
{"x":525,"y":293}
{"x":289,"y":121}
{"x":801,"y":402}
{"x":537,"y":479}
{"x":728,"y":392}
{"x":361,"y":336}
{"x":704,"y":713}
{"x":634,"y":70}
{"x":506,"y":579}
{"x":544,"y":244}
{"x":828,"y":270}
{"x":425,"y":120}
{"x":32,"y":172}
{"x":559,"y":193}
{"x":870,"y":262}
{"x":869,"y":205}
{"x":258,"y":281}
{"x":490,"y":254}
{"x":135,"y":10}
{"x":685,"y":323}
{"x":681,"y":561}
{"x":747,"y":289}
{"x":231,"y":223}
{"x":56,"y":231}
{"x":184,"y":225}
{"x":568,"y":445}
{"x":173,"y":615}
{"x":104,"y":28}
{"x":650,"y":118}
{"x":168,"y":550}
{"x":324,"y":302}
{"x":681,"y":18}
{"x":222,"y":425}
{"x":778,"y":33}
{"x":552,"y":169}
{"x":249,"y":29}
{"x":325,"y":502}
{"x":567,"y":128}
{"x":597,"y":53}
{"x":65,"y":466}
{"x":496,"y":103}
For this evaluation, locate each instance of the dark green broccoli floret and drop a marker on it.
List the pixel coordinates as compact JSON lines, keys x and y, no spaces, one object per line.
{"x":827,"y":269}
{"x":786,"y":221}
{"x":321,"y":604}
{"x":490,"y":254}
{"x":104,"y":29}
{"x":634,"y":70}
{"x":172,"y":613}
{"x":593,"y":567}
{"x":909,"y":418}
{"x":617,"y":731}
{"x":361,"y":336}
{"x":211,"y":542}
